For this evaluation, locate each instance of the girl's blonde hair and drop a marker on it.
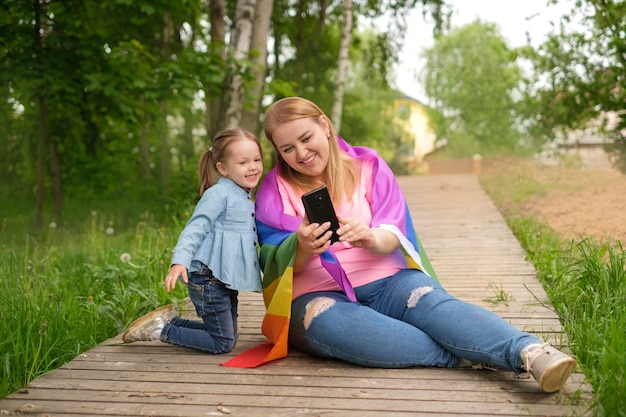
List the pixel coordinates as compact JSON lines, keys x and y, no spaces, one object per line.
{"x":218,"y":152}
{"x":341,"y":169}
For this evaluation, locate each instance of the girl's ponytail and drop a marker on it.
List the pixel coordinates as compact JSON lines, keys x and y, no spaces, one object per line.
{"x":207,"y":171}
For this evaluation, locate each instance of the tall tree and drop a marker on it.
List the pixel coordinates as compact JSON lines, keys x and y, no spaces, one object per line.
{"x":578,"y":73}
{"x":342,"y":64}
{"x":369,"y":115}
{"x":217,"y":42}
{"x":308,"y":34}
{"x":104,"y":66}
{"x":240,"y":41}
{"x":39,"y":34}
{"x":165,"y":148}
{"x":258,"y":62}
{"x":471,"y":75}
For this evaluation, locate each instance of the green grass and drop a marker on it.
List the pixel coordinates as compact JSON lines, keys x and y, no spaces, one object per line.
{"x":586,"y":283}
{"x":500,"y":296}
{"x":66,"y":290}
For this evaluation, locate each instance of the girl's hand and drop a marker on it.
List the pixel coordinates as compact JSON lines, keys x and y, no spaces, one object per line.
{"x":313,"y":238}
{"x":176,"y":271}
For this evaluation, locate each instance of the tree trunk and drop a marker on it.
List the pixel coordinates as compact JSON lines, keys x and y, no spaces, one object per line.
{"x":322,"y":21}
{"x":144,"y":144}
{"x":41,"y":161}
{"x":165,"y":147}
{"x":56,"y":180}
{"x":218,"y":37}
{"x":277,"y":51}
{"x":165,"y":150}
{"x":258,"y":57}
{"x":186,"y":140}
{"x":42,"y":131}
{"x":342,"y":65}
{"x":241,"y":37}
{"x":301,"y":12}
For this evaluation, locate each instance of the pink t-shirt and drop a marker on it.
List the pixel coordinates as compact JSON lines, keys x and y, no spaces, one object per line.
{"x":361,"y":266}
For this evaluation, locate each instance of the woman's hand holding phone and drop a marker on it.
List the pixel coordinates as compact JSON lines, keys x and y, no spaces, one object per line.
{"x":319,"y":209}
{"x":314,"y":238}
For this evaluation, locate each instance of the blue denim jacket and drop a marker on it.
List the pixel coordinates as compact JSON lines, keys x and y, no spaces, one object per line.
{"x":221,"y":234}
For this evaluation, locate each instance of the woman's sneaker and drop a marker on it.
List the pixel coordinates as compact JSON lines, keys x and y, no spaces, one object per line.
{"x":143,"y":328}
{"x":549,"y":366}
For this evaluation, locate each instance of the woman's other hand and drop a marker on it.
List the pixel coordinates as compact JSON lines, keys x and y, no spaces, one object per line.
{"x":359,"y":234}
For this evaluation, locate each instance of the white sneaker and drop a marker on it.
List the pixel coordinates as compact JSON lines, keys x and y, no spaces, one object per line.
{"x":142,"y":328}
{"x":549,"y":366}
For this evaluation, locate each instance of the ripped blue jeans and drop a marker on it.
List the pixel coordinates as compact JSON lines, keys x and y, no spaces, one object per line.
{"x":401,"y":321}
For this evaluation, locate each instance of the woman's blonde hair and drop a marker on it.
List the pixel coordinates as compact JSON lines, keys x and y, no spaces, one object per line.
{"x":341,"y":170}
{"x":218,"y":152}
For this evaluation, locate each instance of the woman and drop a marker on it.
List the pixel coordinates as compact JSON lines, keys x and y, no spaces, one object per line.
{"x":365,"y":299}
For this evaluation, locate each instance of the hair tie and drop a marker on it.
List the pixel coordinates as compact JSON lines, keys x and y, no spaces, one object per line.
{"x":211,"y":149}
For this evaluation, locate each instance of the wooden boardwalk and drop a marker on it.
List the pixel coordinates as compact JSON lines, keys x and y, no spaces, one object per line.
{"x":477,"y":259}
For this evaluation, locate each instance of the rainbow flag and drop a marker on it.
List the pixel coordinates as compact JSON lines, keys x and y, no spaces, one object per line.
{"x":278,"y":249}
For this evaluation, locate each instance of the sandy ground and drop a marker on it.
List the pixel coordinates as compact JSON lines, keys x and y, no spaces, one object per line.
{"x":578,"y":203}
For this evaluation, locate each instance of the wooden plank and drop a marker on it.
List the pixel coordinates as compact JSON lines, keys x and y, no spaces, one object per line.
{"x":276,"y":408}
{"x":476,"y":257}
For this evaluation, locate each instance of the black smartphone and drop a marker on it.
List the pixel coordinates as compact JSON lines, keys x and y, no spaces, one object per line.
{"x":319,"y":209}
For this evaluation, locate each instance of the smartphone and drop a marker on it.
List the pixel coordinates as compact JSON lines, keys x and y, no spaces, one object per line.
{"x":319,"y":209}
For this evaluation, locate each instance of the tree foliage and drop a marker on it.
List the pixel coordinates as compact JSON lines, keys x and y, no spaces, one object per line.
{"x":307,"y":36}
{"x":105,"y":99}
{"x":578,"y":73}
{"x":471,"y":76}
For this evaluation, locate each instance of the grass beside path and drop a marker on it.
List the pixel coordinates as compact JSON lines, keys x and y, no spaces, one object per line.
{"x":585,"y":280}
{"x":68,"y":288}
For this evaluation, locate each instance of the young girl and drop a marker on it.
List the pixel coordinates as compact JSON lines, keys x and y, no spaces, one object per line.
{"x":216,"y":254}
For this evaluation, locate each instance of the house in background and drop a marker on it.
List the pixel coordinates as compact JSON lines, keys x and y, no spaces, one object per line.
{"x":413,"y":117}
{"x":586,"y":146}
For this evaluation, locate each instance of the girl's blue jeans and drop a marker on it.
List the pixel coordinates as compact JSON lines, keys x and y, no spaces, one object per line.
{"x":217,"y":306}
{"x":404,"y":320}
